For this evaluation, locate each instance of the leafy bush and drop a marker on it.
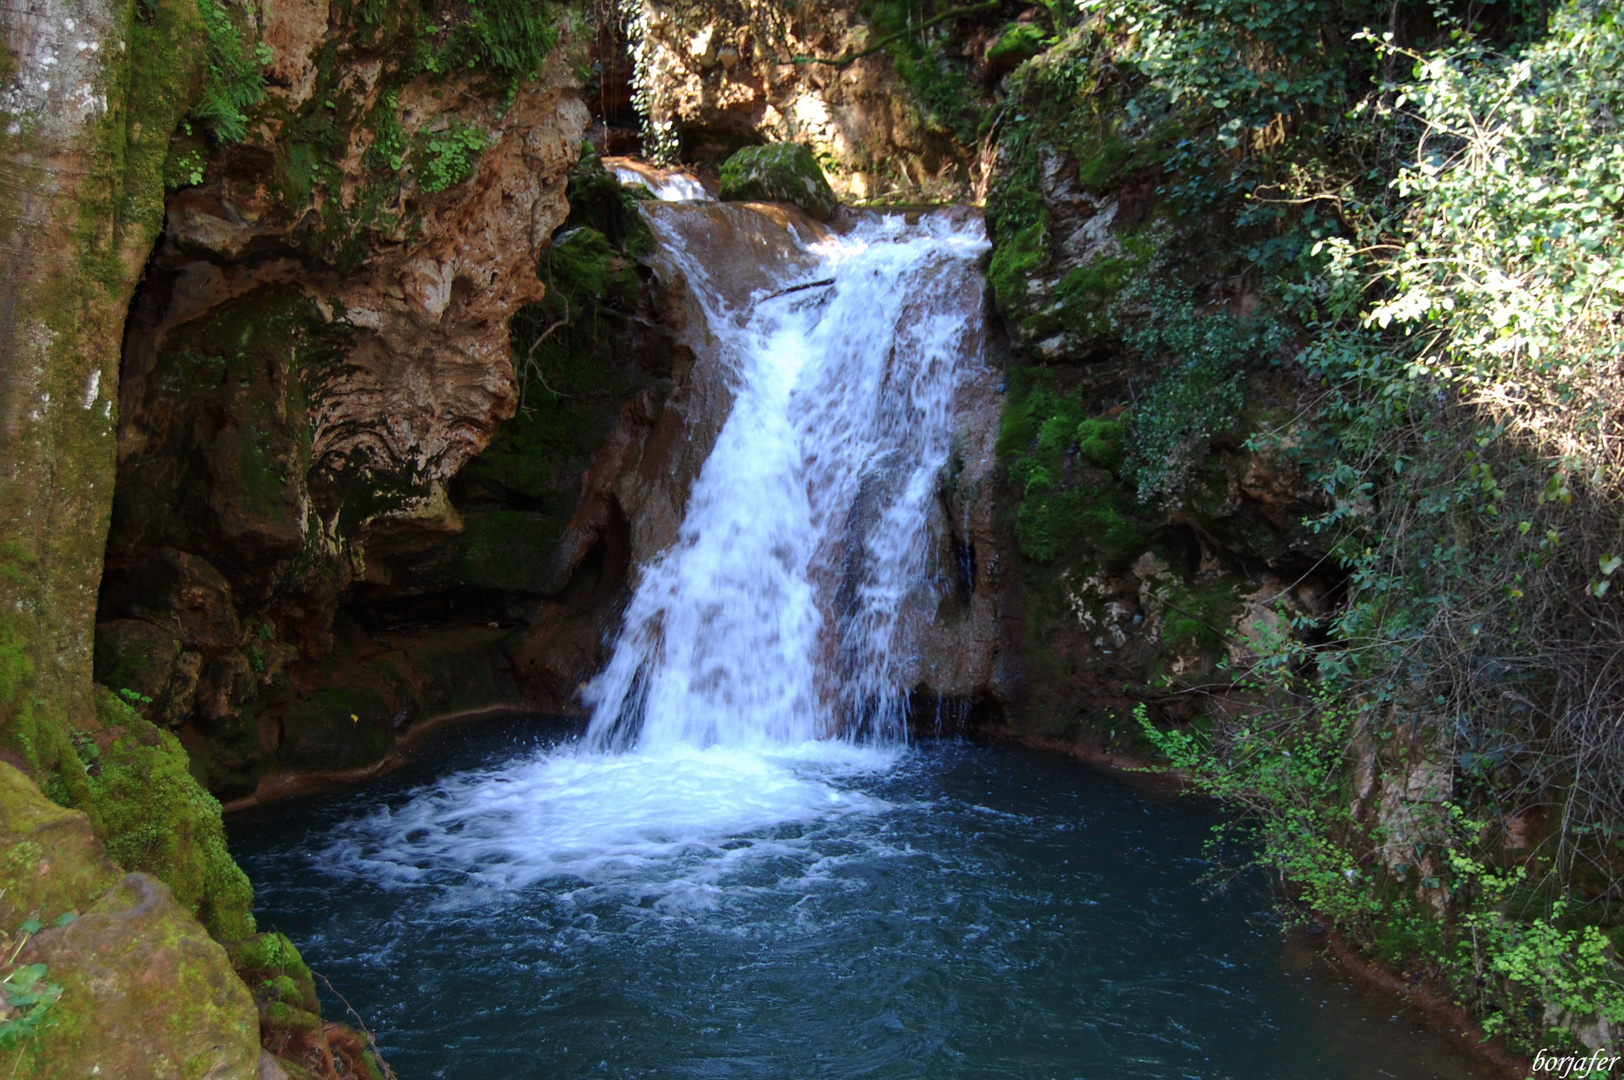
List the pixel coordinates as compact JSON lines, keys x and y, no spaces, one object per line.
{"x":509,"y":39}
{"x":1199,"y":395}
{"x":1512,"y":256}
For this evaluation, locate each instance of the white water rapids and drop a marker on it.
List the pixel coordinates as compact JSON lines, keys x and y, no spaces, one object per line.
{"x":761,"y":656}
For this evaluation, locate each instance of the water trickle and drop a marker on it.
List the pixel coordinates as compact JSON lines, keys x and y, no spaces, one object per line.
{"x":773,"y":619}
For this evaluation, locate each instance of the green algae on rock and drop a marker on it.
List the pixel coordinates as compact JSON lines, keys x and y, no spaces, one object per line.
{"x":785,"y":172}
{"x":143,"y":985}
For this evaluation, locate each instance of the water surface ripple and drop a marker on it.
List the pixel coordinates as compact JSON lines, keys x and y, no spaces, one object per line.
{"x":519,"y":910}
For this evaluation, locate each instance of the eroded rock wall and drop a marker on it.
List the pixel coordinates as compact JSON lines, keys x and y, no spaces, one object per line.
{"x":1153,"y":504}
{"x":321,"y":344}
{"x":714,"y":76}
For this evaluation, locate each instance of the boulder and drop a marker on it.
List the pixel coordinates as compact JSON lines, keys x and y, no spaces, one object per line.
{"x":144,"y":990}
{"x":786,"y":172}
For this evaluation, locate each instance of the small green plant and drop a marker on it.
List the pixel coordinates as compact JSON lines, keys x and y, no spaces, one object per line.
{"x":1284,"y":777}
{"x":234,"y":79}
{"x":1548,"y":960}
{"x":28,"y":1001}
{"x":445,"y":158}
{"x":25,"y":997}
{"x":389,"y":142}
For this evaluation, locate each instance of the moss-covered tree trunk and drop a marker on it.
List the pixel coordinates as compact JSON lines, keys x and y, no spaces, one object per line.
{"x":93,"y":89}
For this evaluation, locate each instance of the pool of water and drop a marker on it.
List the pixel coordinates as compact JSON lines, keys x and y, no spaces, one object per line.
{"x":506,"y":908}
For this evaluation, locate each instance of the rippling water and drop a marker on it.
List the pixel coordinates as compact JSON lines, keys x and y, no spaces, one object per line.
{"x":517,"y":910}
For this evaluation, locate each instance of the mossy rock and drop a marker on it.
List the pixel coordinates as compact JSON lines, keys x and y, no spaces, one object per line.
{"x":1018,"y":43}
{"x":1199,"y":617}
{"x":145,"y":992}
{"x":51,"y":862}
{"x":783,"y":172}
{"x":136,"y":784}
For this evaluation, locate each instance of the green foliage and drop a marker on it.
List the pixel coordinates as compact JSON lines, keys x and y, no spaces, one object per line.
{"x":155,"y":817}
{"x":234,"y":80}
{"x":939,"y":83}
{"x":1512,"y":257}
{"x":510,"y":39}
{"x":1286,"y":779}
{"x":1570,"y":967}
{"x":1199,"y":395}
{"x":1254,"y":77}
{"x":389,"y":142}
{"x":28,"y":999}
{"x":447,"y":157}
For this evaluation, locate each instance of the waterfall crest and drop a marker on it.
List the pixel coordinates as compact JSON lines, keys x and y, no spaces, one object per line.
{"x":773,"y":618}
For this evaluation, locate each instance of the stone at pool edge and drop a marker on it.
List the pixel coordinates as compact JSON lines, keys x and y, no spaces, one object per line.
{"x":779,"y":172}
{"x":144,"y":987}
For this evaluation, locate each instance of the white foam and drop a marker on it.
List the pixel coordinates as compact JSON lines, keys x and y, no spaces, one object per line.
{"x":667,"y":187}
{"x":769,"y":626}
{"x":676,"y":827}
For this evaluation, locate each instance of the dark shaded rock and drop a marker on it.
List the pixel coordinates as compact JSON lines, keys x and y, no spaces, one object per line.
{"x":139,"y":660}
{"x":180,"y":592}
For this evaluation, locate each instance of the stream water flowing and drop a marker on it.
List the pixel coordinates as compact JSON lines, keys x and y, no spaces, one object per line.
{"x":739,"y":867}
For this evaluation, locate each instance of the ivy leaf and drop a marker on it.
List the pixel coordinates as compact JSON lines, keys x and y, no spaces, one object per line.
{"x":1609,"y":563}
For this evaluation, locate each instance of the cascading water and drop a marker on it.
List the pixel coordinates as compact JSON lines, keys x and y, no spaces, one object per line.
{"x":760,"y":660}
{"x":773,"y":619}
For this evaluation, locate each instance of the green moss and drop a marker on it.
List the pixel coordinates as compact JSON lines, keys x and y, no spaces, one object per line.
{"x":1087,"y":294}
{"x":783,"y":172}
{"x":154,"y":817}
{"x":1018,"y":43}
{"x":509,"y":550}
{"x":600,"y":201}
{"x":1078,"y":523}
{"x":1014,"y":260}
{"x":1102,"y":442}
{"x":336,"y":728}
{"x":167,"y":65}
{"x":1198,"y":617}
{"x":939,"y":84}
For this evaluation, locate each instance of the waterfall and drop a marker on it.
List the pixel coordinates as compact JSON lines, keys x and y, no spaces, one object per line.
{"x":760,"y":665}
{"x":773,"y":618}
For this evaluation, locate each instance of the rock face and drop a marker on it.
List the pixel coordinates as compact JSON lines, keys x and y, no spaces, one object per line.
{"x":89,"y":97}
{"x":1154,"y":508}
{"x":143,"y":989}
{"x":322,"y":343}
{"x":712,"y":76}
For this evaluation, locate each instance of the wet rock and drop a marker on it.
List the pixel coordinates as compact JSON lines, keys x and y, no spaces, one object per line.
{"x":714,"y":81}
